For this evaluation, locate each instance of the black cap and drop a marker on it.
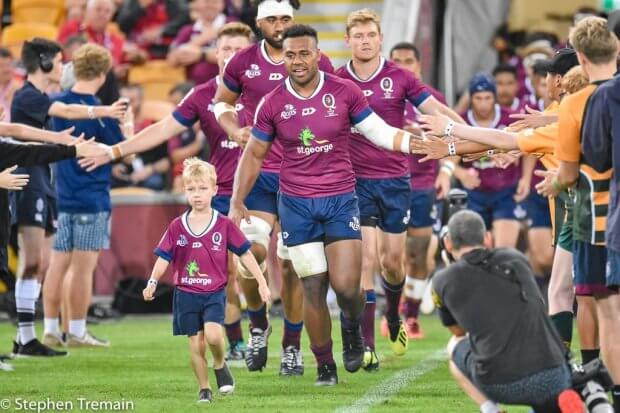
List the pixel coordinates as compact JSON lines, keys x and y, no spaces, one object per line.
{"x":563,"y":61}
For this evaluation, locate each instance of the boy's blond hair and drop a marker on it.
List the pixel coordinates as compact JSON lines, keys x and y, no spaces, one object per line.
{"x":592,"y":38}
{"x":361,"y":17}
{"x":574,"y":80}
{"x":90,"y":61}
{"x":234,"y":29}
{"x":197,"y":169}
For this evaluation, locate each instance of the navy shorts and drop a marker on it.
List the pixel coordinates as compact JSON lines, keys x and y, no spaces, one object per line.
{"x":423,"y":210}
{"x":590,"y":269}
{"x":537,"y":207}
{"x":190,"y":311}
{"x":33,"y":208}
{"x":264,"y":193}
{"x":493,"y":205}
{"x":319,"y":219}
{"x":221,"y":203}
{"x":612,"y":273}
{"x":384,"y":203}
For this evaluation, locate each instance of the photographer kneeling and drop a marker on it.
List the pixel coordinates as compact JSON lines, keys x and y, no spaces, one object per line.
{"x":505,"y":348}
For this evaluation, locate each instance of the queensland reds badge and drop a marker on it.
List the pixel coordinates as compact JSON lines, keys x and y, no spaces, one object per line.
{"x":330,"y":104}
{"x":387,"y":86}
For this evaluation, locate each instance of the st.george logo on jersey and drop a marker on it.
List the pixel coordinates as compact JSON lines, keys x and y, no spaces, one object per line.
{"x":387,"y":85}
{"x":288,"y":112}
{"x":329,"y":101}
{"x":253,"y":71}
{"x":311,"y":144}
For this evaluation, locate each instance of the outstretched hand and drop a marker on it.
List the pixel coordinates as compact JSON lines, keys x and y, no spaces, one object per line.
{"x":531,"y":119}
{"x":432,"y":147}
{"x":434,"y":124}
{"x":546,"y":187}
{"x":13,"y":182}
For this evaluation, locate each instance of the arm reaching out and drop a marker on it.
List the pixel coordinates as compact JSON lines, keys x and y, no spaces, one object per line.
{"x":249,"y":262}
{"x":13,"y":182}
{"x":245,"y":177}
{"x":148,"y":138}
{"x":441,"y":125}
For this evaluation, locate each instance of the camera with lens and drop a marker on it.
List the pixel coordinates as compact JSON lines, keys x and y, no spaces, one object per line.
{"x":457,"y":201}
{"x":592,"y":382}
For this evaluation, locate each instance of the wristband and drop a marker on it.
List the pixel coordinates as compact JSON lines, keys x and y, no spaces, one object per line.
{"x":452,"y":149}
{"x":128,"y":125}
{"x":448,"y":167}
{"x":447,"y":170}
{"x":152,"y":281}
{"x":116,"y":152}
{"x":91,"y":112}
{"x":449,"y":128}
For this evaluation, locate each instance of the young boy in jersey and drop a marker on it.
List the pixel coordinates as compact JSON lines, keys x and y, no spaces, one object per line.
{"x":197,"y":245}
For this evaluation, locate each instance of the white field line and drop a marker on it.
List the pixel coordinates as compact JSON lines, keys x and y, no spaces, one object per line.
{"x":395,"y":383}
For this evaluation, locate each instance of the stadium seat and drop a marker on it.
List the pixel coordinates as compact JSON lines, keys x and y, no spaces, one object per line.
{"x":38,"y":11}
{"x":157,"y":77}
{"x":131,"y":191}
{"x":157,"y":109}
{"x":14,"y":36}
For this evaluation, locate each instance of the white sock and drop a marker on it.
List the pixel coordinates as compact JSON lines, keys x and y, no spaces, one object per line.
{"x":414,"y":288}
{"x":51,"y":325}
{"x":77,"y":328}
{"x":25,"y":299}
{"x":489,"y":407}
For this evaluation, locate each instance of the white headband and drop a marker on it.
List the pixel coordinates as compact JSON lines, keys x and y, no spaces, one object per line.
{"x":270,"y":8}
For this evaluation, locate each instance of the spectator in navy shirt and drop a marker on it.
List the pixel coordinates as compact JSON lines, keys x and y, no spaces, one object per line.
{"x":84,"y":207}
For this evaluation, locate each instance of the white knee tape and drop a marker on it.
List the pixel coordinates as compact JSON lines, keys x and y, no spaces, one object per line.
{"x":247,"y":274}
{"x":415,"y":288}
{"x":258,"y":231}
{"x":282,"y":251}
{"x":308,"y":259}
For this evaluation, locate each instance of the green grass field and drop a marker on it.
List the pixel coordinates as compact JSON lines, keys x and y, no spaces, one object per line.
{"x":150,"y":367}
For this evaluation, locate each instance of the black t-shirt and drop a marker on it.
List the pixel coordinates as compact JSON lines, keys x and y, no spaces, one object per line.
{"x":30,"y":106}
{"x":493,"y":296}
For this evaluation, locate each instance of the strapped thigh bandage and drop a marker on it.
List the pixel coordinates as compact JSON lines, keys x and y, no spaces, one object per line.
{"x":308,"y":259}
{"x":282,"y":251}
{"x":258,"y":231}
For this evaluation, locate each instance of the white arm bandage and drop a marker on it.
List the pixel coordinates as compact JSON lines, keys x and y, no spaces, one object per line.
{"x":383,"y":135}
{"x":222,"y":107}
